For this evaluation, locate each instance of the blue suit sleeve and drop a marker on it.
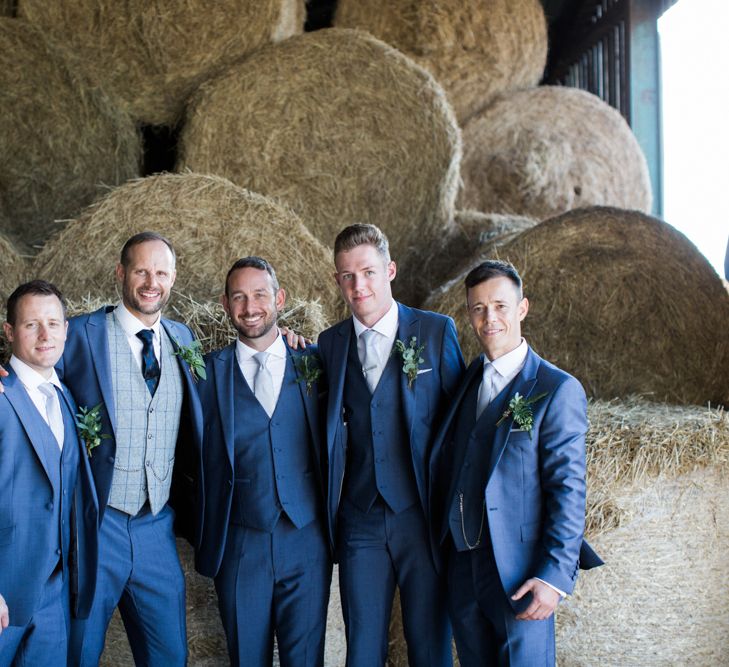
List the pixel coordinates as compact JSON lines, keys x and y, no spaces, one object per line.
{"x":452,"y":366}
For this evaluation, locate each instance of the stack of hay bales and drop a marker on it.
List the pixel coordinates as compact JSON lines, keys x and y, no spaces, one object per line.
{"x":622,"y":301}
{"x":548,"y":150}
{"x":340,"y":126}
{"x":61,"y":140}
{"x":475,"y":48}
{"x":149,"y":55}
{"x":211,"y":223}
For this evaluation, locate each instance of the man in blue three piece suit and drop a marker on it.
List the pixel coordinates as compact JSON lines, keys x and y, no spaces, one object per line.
{"x":263,"y":529}
{"x":48,"y":508}
{"x":509,"y":464}
{"x":124,"y":357}
{"x":379,"y":424}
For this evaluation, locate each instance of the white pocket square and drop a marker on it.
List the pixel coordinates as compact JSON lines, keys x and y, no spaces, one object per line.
{"x":424,"y":370}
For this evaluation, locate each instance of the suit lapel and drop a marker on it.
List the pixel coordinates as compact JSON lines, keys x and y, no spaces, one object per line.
{"x":99,"y":341}
{"x":408,"y":326}
{"x":174,"y":335}
{"x":340,"y":350}
{"x":224,"y":363}
{"x":522,"y":384}
{"x":309,"y":399}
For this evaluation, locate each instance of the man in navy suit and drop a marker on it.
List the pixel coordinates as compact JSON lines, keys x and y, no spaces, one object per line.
{"x":263,"y":529}
{"x":48,"y":508}
{"x":381,"y":413}
{"x":510,"y":457}
{"x":125,"y":358}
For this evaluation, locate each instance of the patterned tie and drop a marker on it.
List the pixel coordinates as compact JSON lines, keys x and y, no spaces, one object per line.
{"x":150,"y":367}
{"x":368,"y":358}
{"x":263,"y":384}
{"x":485,"y":391}
{"x":53,"y":411}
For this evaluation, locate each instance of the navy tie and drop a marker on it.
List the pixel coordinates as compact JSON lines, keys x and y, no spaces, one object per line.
{"x":150,"y":367}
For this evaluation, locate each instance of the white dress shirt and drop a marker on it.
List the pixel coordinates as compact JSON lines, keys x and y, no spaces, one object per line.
{"x":131,"y":326}
{"x":386,"y":332}
{"x":276,"y":363}
{"x":31,"y":380}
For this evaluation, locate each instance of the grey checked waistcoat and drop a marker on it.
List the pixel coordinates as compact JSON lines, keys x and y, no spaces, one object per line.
{"x":146,"y":426}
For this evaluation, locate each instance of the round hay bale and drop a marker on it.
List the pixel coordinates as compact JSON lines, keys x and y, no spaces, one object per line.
{"x":211,"y":223}
{"x":622,"y":301}
{"x":61,"y":140}
{"x":545,"y":151}
{"x":150,"y":55}
{"x":475,"y":48}
{"x":663,"y":472}
{"x":330,"y":122}
{"x":15,"y":269}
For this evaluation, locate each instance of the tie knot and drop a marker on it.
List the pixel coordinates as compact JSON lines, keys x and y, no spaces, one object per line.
{"x":146,"y":336}
{"x":261,"y":358}
{"x":47,"y":389}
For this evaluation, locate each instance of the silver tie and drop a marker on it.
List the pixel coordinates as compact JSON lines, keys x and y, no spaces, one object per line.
{"x":369,"y":359}
{"x":53,"y":411}
{"x":486,"y":390}
{"x":263,"y":384}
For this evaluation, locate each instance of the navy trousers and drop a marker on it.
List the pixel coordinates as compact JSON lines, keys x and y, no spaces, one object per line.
{"x":139,"y":571}
{"x":485,"y":627}
{"x":377,"y":551}
{"x":278,"y":583}
{"x":44,"y":641}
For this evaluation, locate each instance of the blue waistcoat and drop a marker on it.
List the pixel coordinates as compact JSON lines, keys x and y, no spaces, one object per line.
{"x":274,"y":469}
{"x":378,"y":446}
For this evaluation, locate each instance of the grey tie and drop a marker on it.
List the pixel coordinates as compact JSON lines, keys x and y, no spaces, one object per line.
{"x":53,"y":411}
{"x":368,"y":357}
{"x":263,"y":384}
{"x":486,"y":390}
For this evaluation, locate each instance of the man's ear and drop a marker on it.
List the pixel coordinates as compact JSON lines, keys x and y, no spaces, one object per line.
{"x":391,"y":270}
{"x":8,"y":329}
{"x":523,"y":308}
{"x":120,"y":272}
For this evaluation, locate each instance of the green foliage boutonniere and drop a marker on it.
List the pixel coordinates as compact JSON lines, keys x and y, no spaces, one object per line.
{"x":191,"y":354}
{"x":308,"y":369}
{"x":520,"y":409}
{"x":411,"y":359}
{"x":88,"y":423}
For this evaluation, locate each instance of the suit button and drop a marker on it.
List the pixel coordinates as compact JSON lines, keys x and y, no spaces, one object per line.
{"x":49,"y":506}
{"x":111,"y":459}
{"x":151,"y":410}
{"x":149,"y":437}
{"x":147,"y":463}
{"x":58,"y":552}
{"x":230,"y":482}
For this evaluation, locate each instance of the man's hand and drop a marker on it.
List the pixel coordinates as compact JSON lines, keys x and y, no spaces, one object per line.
{"x":4,"y":614}
{"x":3,"y":374}
{"x":544,"y":600}
{"x":294,"y":340}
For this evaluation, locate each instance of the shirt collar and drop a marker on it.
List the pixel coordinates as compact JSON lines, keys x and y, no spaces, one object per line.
{"x":243,"y":352}
{"x":386,"y":325}
{"x":31,"y":378}
{"x":511,"y":362}
{"x":131,"y":324}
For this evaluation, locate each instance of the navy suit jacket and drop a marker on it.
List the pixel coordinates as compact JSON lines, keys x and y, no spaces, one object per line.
{"x":535,"y":494}
{"x":85,"y":368}
{"x":218,"y":452}
{"x":27,"y":556}
{"x":423,"y":404}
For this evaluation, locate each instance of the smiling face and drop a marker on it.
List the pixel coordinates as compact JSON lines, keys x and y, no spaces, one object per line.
{"x":495,"y":310}
{"x":364,"y":277}
{"x":39,"y":333}
{"x":147,"y":279}
{"x":252,"y":303}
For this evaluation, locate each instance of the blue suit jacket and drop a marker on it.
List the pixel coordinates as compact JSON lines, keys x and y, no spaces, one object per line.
{"x":535,"y":494}
{"x":422,"y":405}
{"x":27,"y":530}
{"x":86,"y":369}
{"x":217,"y":472}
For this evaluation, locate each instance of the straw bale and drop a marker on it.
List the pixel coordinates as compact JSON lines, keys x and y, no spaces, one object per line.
{"x":544,"y":151}
{"x":475,"y":48}
{"x":211,"y":223}
{"x":15,"y":268}
{"x":330,"y":122}
{"x":150,"y":55}
{"x":61,"y":140}
{"x":622,"y":301}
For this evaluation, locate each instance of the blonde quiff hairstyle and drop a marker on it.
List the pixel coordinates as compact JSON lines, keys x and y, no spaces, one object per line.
{"x":362,"y":234}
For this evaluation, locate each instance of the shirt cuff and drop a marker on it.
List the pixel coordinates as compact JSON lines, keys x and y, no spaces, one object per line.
{"x":562,"y":594}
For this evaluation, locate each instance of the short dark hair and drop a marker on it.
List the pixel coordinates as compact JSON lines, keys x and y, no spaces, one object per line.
{"x":493,"y":268}
{"x":34,"y":287}
{"x":361,"y":234}
{"x":252,"y":262}
{"x":144,"y":237}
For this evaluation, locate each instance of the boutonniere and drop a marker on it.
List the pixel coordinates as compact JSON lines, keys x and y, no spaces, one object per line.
{"x":191,"y":354}
{"x":411,"y":359}
{"x":308,"y":369}
{"x":88,"y":423}
{"x":520,"y":409}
